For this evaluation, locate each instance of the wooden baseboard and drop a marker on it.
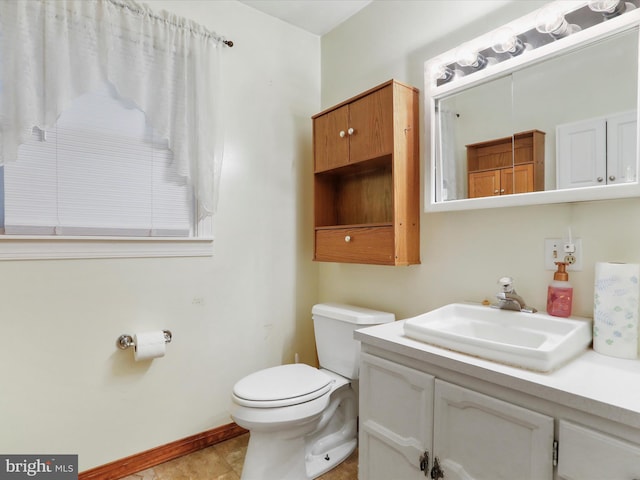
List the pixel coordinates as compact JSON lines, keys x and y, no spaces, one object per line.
{"x":150,"y":458}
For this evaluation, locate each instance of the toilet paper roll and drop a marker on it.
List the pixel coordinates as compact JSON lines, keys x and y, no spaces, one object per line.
{"x":616,"y":311}
{"x":149,"y":345}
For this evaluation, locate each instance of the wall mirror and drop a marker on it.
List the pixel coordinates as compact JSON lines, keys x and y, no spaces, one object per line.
{"x":542,"y":110}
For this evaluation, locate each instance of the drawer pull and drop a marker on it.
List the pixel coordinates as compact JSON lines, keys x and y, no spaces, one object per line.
{"x":347,"y":238}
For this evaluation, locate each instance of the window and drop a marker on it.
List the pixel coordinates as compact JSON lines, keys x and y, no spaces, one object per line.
{"x":83,"y":167}
{"x":98,"y":171}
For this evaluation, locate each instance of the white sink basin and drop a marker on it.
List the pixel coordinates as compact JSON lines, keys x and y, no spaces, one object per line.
{"x":534,"y":341}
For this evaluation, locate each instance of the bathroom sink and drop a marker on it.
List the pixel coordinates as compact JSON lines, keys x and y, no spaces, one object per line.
{"x":535,"y":341}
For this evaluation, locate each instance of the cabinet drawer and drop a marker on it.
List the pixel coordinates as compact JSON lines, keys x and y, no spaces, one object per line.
{"x":586,"y":454}
{"x":355,"y":245}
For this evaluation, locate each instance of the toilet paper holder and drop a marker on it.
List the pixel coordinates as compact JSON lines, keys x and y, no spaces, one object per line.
{"x":126,"y":341}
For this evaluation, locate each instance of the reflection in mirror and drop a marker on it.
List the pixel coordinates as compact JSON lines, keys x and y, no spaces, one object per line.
{"x":547,"y":115}
{"x":577,"y":99}
{"x":463,"y":120}
{"x":580,"y":95}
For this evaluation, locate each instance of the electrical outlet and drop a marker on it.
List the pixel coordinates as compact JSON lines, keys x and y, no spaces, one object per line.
{"x":557,"y":250}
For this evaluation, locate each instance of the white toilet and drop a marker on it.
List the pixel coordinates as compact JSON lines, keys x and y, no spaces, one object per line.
{"x":303,"y":420}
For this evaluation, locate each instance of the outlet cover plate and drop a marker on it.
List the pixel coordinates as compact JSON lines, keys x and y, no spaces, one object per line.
{"x":552,"y":245}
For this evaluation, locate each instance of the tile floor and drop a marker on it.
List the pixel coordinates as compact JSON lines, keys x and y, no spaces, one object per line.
{"x":224,"y":462}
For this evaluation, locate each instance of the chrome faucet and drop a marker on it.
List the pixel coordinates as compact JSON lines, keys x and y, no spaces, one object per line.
{"x":508,"y":299}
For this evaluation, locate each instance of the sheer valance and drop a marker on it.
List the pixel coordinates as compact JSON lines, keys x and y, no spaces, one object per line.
{"x":52,"y":51}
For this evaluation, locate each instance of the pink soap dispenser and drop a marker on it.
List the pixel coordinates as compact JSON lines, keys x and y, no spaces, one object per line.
{"x":560,"y":293}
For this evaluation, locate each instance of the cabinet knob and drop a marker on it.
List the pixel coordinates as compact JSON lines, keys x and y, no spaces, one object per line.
{"x":496,"y":192}
{"x":342,"y":134}
{"x":347,"y":238}
{"x":350,"y":131}
{"x":502,"y":191}
{"x":612,"y":177}
{"x":600,"y":179}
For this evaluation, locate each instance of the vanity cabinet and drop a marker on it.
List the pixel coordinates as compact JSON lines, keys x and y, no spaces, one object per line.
{"x":413,"y":424}
{"x":598,"y":151}
{"x":366,"y":178}
{"x":506,"y":165}
{"x":426,"y":411}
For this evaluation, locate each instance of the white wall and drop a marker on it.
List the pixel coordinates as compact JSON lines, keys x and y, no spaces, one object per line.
{"x":463,"y":253}
{"x":66,"y":388}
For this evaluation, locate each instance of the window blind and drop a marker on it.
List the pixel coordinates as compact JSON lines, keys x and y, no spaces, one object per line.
{"x":99,"y":171}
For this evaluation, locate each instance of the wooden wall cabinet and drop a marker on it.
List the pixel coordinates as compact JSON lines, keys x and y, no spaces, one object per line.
{"x":366,"y":178}
{"x":506,"y":165}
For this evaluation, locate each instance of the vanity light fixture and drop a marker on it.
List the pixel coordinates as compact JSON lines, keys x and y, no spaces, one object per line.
{"x":546,"y":26}
{"x":468,"y":56}
{"x":505,"y":40}
{"x":551,"y":20}
{"x":610,"y":8}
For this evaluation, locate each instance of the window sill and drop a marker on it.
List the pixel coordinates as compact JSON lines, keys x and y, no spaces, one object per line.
{"x":24,"y":247}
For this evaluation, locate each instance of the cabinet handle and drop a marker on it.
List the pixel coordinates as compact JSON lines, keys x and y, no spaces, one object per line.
{"x":424,"y":463}
{"x":436,"y":471}
{"x":612,"y":177}
{"x":502,"y":191}
{"x":342,"y":134}
{"x":351,"y":131}
{"x":347,"y":238}
{"x":496,"y":192}
{"x":600,"y":179}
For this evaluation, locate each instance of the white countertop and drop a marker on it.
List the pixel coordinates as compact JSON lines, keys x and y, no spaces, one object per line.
{"x":598,"y":384}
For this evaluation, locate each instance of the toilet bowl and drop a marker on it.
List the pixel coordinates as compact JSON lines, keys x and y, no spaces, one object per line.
{"x":303,"y":420}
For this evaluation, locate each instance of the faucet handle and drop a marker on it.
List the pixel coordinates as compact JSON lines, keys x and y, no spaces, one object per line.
{"x":506,"y":284}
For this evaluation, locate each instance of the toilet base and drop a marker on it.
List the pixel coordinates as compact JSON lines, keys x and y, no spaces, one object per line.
{"x":319,"y":465}
{"x":290,"y":455}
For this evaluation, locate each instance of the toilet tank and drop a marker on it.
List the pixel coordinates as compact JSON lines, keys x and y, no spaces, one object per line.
{"x":334,"y":325}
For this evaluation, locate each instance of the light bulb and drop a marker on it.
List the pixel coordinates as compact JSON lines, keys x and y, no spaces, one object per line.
{"x":442,"y":73}
{"x":506,"y":41}
{"x":551,"y":20}
{"x":610,"y":8}
{"x":467,"y":56}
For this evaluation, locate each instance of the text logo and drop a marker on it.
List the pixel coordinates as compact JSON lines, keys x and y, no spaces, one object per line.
{"x":40,"y":467}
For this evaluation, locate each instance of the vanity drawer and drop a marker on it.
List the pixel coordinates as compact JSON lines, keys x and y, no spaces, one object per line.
{"x":355,"y":245}
{"x":586,"y":454}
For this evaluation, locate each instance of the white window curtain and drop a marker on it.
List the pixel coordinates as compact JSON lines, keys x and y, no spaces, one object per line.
{"x":56,"y":50}
{"x":452,"y":186}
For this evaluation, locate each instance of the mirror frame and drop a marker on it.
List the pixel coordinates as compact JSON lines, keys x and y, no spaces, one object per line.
{"x":625,"y":22}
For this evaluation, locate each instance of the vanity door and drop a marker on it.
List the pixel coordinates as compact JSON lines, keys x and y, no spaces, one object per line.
{"x":482,"y":438}
{"x":586,"y":454}
{"x":396,"y":420}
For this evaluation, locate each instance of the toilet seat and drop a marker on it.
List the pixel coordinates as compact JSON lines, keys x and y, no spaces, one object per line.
{"x":282,"y":386}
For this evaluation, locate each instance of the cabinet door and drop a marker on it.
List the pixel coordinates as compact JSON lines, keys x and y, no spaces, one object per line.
{"x":396,"y":420}
{"x":479,"y":437}
{"x":621,"y":148}
{"x":484,"y":184}
{"x":581,"y":154}
{"x":330,"y":149}
{"x":518,"y":179}
{"x":371,"y":118}
{"x":585,"y":454}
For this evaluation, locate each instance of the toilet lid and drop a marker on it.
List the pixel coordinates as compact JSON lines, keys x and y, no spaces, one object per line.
{"x":282,"y":386}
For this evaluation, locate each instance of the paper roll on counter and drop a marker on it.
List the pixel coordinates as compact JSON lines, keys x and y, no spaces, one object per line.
{"x":616,"y":304}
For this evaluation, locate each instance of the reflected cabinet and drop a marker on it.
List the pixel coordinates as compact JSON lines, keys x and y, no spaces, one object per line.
{"x":366,"y":178}
{"x":506,"y":165}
